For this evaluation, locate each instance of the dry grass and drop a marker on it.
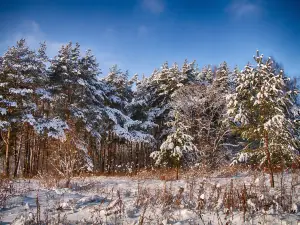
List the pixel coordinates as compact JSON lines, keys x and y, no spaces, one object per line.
{"x":170,"y":173}
{"x":209,"y":201}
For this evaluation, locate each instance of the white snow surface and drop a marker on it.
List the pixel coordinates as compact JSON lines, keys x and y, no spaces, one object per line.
{"x":117,"y":200}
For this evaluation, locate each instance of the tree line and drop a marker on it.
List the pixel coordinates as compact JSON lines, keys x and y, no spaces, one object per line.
{"x":58,"y":116}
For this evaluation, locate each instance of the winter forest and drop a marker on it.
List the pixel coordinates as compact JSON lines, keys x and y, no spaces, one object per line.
{"x":61,"y":117}
{"x":58,"y":116}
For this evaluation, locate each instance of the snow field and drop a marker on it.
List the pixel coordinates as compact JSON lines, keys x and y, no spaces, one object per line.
{"x":114,"y":200}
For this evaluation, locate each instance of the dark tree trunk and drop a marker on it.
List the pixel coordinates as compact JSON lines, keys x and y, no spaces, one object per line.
{"x":137,"y":165}
{"x":177,"y":172}
{"x":7,"y":143}
{"x":272,"y":183}
{"x":102,"y":150}
{"x":17,"y":156}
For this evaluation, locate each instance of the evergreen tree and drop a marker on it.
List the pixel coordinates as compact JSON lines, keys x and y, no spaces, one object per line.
{"x":79,"y":96}
{"x":178,"y":148}
{"x":89,"y":96}
{"x":206,"y":75}
{"x":151,"y":103}
{"x":260,"y":109}
{"x":119,"y":94}
{"x":119,"y":91}
{"x":165,"y":82}
{"x":221,"y":81}
{"x":190,"y":71}
{"x":64,"y":74}
{"x":23,"y":94}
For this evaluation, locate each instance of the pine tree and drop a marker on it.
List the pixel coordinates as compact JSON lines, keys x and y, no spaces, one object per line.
{"x":206,"y":75}
{"x":178,"y":149}
{"x":23,"y":94}
{"x":90,"y":96}
{"x":260,"y":109}
{"x":151,"y":103}
{"x":64,"y":73}
{"x":221,"y":81}
{"x":119,"y":90}
{"x":119,"y":95}
{"x":165,"y":82}
{"x":209,"y":75}
{"x":140,"y":106}
{"x":79,"y":96}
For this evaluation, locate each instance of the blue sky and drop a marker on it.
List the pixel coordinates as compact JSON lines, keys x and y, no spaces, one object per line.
{"x":140,"y":35}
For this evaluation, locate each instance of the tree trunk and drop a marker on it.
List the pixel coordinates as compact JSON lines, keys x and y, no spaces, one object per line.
{"x":38,"y":156}
{"x":272,"y":183}
{"x":113,"y":153}
{"x":102,"y":154}
{"x":131,"y":154}
{"x":27,"y":153}
{"x":31,"y":153}
{"x":137,"y":165}
{"x":177,"y":172}
{"x":7,"y":152}
{"x":109,"y":147}
{"x":47,"y":154}
{"x":17,"y":159}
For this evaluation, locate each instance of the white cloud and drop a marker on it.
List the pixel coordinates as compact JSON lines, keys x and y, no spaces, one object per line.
{"x":241,"y":8}
{"x":154,"y":6}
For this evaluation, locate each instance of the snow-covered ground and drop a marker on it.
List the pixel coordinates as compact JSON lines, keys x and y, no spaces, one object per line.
{"x":122,"y":200}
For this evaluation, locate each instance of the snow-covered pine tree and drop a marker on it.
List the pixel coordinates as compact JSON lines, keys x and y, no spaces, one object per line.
{"x":165,"y":81}
{"x":178,"y":148}
{"x":122,"y":126}
{"x":23,"y":94}
{"x":190,"y":71}
{"x":119,"y":90}
{"x":260,"y":109}
{"x":16,"y":87}
{"x":138,"y":109}
{"x":233,"y":78}
{"x":209,"y":75}
{"x":119,"y":94}
{"x":79,"y":97}
{"x":64,"y":73}
{"x":221,"y":81}
{"x":145,"y":106}
{"x":90,"y":96}
{"x":151,"y":103}
{"x":206,"y":75}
